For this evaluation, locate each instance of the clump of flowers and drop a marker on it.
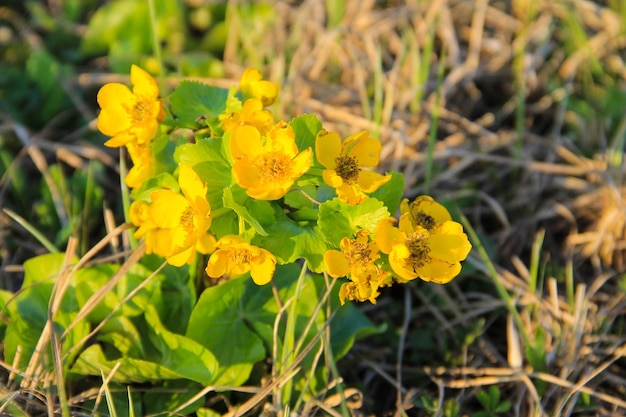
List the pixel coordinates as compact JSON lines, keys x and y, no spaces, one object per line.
{"x":251,"y":193}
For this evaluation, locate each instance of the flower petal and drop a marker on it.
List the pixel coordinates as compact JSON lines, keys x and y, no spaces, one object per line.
{"x":262,"y":272}
{"x":166,"y":208}
{"x":245,"y":140}
{"x":327,"y":148}
{"x":194,"y":189}
{"x":218,"y":263}
{"x":366,"y":150}
{"x":336,"y":264}
{"x":370,"y":181}
{"x":246,"y":174}
{"x":439,"y":272}
{"x":386,"y":234}
{"x":143,"y":83}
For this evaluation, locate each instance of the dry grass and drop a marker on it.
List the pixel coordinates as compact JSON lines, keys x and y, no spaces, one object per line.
{"x":542,"y":185}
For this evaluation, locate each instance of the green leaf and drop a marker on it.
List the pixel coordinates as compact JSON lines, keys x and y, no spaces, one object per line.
{"x":29,"y":309}
{"x":306,"y":128}
{"x":210,"y":161}
{"x":290,"y":241}
{"x":92,"y":361}
{"x":391,"y":192}
{"x":185,"y":356}
{"x":193,"y":100}
{"x":171,"y":356}
{"x":349,"y":325}
{"x":220,"y":322}
{"x":484,"y":399}
{"x":338,"y":219}
{"x":121,"y":19}
{"x":237,"y":201}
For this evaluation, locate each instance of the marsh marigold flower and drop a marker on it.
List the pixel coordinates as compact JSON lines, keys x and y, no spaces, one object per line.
{"x":252,"y":114}
{"x":235,"y":256}
{"x":344,"y":163}
{"x":176,"y":225}
{"x":357,"y":261}
{"x":267,"y":166}
{"x":252,"y":84}
{"x":130,"y":115}
{"x":427,"y":244}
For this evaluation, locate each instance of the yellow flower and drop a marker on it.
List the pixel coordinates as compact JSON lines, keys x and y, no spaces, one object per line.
{"x":344,"y":163}
{"x":252,"y":114}
{"x":252,"y":84}
{"x":425,"y":244}
{"x":130,"y":115}
{"x":357,"y":259}
{"x":267,"y":168}
{"x":182,"y":220}
{"x":144,"y":163}
{"x":235,"y":256}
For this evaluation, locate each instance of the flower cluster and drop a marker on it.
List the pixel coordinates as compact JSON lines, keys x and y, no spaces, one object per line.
{"x":253,"y":193}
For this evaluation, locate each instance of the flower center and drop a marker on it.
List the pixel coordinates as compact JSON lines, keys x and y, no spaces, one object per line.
{"x":418,"y":249}
{"x":425,"y":220}
{"x":141,"y":112}
{"x":186,"y":219}
{"x":274,"y":166}
{"x":360,"y":254}
{"x":347,"y":168}
{"x":240,"y":256}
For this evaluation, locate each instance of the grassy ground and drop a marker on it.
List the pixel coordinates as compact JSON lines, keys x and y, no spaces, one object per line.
{"x":512,"y":112}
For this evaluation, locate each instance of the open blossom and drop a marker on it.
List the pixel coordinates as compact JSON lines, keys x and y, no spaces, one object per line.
{"x":130,"y":115}
{"x":235,"y":256}
{"x":357,"y":261}
{"x":252,"y":84}
{"x":176,"y":225}
{"x":267,"y":166}
{"x":344,"y":163}
{"x":426,"y":244}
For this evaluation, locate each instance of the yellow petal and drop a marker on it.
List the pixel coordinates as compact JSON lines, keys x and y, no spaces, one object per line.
{"x":439,"y":272}
{"x":166,"y":208}
{"x":230,"y":240}
{"x":115,"y":94}
{"x":182,"y":257}
{"x":386,"y":234}
{"x":366,"y":150}
{"x":266,"y":91}
{"x":301,"y":163}
{"x":246,"y":174}
{"x":327,"y":148}
{"x":143,"y":83}
{"x":370,"y":181}
{"x":350,"y":194}
{"x":218,"y":262}
{"x":268,"y":193}
{"x":427,"y":205}
{"x":194,"y":189}
{"x":206,"y":244}
{"x":245,"y":140}
{"x":336,"y":264}
{"x":331,"y":178}
{"x":121,"y":139}
{"x":263,"y":272}
{"x":449,"y":243}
